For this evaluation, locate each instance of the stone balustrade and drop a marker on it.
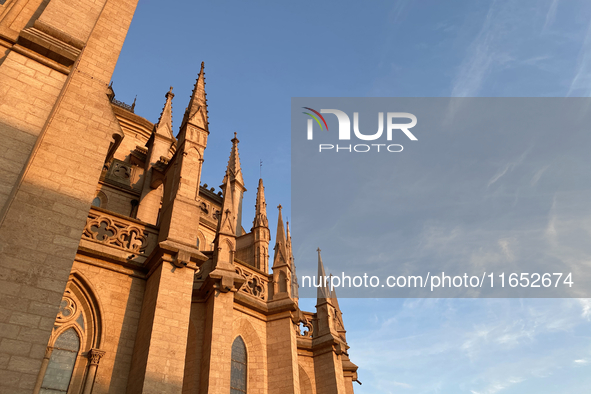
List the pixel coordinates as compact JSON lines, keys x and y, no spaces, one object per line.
{"x":256,"y":284}
{"x":122,"y":233}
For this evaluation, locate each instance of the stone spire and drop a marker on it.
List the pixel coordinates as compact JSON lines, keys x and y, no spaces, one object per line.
{"x":158,"y":145}
{"x":340,"y":325}
{"x":227,"y":223}
{"x":288,"y":241}
{"x":294,"y":279}
{"x":281,"y":257}
{"x":225,"y":243}
{"x":233,"y":177}
{"x":335,"y":301}
{"x":164,"y":125}
{"x":234,"y":170}
{"x":281,"y":263}
{"x":260,"y":229}
{"x":260,"y":216}
{"x":196,"y":112}
{"x":295,"y":286}
{"x":322,"y":291}
{"x":183,"y":177}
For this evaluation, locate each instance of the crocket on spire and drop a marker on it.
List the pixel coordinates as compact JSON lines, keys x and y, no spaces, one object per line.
{"x":234,"y":170}
{"x":196,"y":112}
{"x":294,"y":279}
{"x":322,"y":291}
{"x":164,"y":125}
{"x":281,"y":258}
{"x":260,"y":217}
{"x":227,"y":221}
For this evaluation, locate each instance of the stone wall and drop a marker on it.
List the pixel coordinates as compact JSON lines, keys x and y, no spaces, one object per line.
{"x":62,"y":139}
{"x":120,"y":296}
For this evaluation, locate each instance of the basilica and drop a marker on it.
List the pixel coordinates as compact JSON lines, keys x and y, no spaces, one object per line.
{"x":120,"y":271}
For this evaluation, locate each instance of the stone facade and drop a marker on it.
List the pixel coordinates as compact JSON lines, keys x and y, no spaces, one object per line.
{"x":119,"y":271}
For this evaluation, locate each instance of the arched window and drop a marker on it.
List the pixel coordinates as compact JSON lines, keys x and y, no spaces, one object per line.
{"x":61,"y":363}
{"x":74,"y":349}
{"x":239,"y":359}
{"x":100,"y":200}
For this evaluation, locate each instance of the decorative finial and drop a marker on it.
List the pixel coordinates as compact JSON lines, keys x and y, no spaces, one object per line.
{"x":279,"y":207}
{"x":318,"y":250}
{"x":169,"y":93}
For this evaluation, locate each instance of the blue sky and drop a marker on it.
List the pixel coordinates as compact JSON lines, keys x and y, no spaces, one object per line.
{"x":260,"y":54}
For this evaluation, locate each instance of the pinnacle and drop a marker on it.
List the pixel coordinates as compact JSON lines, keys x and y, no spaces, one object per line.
{"x":226,"y":223}
{"x":164,"y":124}
{"x":260,"y":218}
{"x":234,"y":169}
{"x":322,"y":292}
{"x":196,"y":111}
{"x":281,"y":256}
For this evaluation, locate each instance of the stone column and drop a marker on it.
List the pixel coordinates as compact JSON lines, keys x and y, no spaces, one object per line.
{"x":329,"y":372}
{"x":217,"y":343}
{"x":161,"y":342}
{"x":44,"y":364}
{"x":95,"y":356}
{"x":282,"y":355}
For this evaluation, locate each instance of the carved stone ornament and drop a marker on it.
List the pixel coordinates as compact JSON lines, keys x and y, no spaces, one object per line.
{"x":254,"y":285}
{"x":95,"y":355}
{"x":117,"y":233}
{"x":67,"y":311}
{"x":304,"y":328}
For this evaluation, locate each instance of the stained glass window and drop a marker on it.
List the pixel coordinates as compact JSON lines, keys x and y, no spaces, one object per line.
{"x":238,"y":379}
{"x":61,"y":363}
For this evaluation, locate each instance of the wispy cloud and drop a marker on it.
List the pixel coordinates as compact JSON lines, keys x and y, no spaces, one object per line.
{"x":551,"y":231}
{"x":499,"y":174}
{"x":502,"y":43}
{"x":490,"y":342}
{"x":398,"y":9}
{"x":508,"y":167}
{"x":507,"y":248}
{"x":400,"y":384}
{"x":551,"y":14}
{"x":586,"y":305}
{"x":495,"y":387}
{"x":478,"y":61}
{"x":538,"y":175}
{"x":581,"y":82}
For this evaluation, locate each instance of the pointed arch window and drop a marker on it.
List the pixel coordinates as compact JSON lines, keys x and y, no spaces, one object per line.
{"x":239,"y":364}
{"x":61,"y":364}
{"x":74,"y":349}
